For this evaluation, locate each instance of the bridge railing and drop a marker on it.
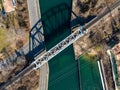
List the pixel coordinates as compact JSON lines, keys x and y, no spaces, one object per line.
{"x":59,"y":47}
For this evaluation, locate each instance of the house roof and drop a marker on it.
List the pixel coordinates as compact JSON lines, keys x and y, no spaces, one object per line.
{"x":8,"y":5}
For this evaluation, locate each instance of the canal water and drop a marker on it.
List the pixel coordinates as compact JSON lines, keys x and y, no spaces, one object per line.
{"x":89,"y":73}
{"x":63,"y":70}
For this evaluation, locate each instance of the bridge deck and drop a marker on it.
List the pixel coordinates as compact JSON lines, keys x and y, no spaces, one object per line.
{"x":59,"y":47}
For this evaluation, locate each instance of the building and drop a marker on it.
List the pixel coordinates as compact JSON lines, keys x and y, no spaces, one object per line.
{"x":9,"y":5}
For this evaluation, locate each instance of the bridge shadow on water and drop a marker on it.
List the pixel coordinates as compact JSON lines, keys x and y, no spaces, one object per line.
{"x":54,"y":21}
{"x":57,"y":24}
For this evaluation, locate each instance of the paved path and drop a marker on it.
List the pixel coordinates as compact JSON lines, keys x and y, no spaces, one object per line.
{"x":34,"y":15}
{"x":114,"y":77}
{"x":44,"y":74}
{"x":34,"y":12}
{"x":102,"y":75}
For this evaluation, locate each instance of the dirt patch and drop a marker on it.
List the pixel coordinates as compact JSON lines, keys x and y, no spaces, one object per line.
{"x":28,"y":82}
{"x":85,"y":8}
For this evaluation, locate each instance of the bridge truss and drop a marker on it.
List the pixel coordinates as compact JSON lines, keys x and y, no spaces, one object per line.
{"x":59,"y":47}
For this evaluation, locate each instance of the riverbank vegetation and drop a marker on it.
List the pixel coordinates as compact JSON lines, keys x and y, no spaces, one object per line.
{"x":15,"y":28}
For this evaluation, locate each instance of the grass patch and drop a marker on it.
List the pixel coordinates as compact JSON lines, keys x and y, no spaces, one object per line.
{"x":3,"y":42}
{"x":0,"y":5}
{"x":98,"y":47}
{"x":89,"y":71}
{"x":0,"y":1}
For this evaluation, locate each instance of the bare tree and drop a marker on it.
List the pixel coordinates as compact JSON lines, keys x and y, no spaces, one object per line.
{"x":19,"y":44}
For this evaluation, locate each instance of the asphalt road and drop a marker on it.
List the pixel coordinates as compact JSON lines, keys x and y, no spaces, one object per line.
{"x":87,"y":26}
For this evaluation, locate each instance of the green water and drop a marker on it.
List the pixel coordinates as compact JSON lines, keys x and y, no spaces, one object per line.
{"x":56,"y":21}
{"x":63,"y":71}
{"x":63,"y":68}
{"x":90,"y":76}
